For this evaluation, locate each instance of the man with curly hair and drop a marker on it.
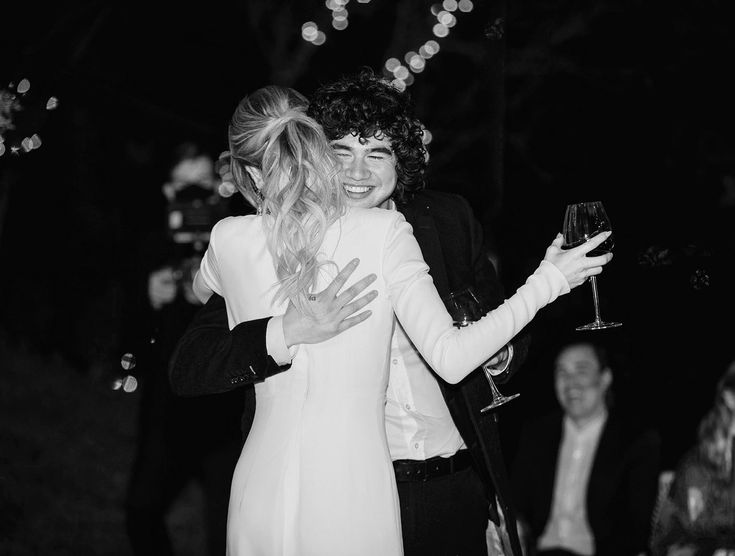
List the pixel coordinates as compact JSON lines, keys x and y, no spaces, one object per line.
{"x":449,"y":469}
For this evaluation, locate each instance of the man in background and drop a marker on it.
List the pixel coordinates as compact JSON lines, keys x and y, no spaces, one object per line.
{"x":179,"y":441}
{"x":586,"y":477}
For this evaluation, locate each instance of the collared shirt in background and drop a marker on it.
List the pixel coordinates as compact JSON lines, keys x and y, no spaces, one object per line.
{"x":568,"y":527}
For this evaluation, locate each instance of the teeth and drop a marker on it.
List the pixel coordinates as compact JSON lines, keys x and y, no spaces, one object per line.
{"x":356,"y":189}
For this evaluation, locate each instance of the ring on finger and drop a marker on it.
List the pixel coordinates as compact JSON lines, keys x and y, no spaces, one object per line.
{"x":311,"y":297}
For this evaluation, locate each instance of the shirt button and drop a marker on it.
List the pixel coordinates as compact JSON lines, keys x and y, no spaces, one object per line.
{"x":395,"y":361}
{"x":416,"y":445}
{"x":408,"y":407}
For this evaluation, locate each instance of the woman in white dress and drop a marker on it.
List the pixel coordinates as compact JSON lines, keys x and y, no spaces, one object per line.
{"x":315,"y":476}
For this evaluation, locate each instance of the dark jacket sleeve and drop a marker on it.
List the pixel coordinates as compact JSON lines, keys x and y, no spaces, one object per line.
{"x":491,"y":289}
{"x":642,"y":485}
{"x":210,"y":358}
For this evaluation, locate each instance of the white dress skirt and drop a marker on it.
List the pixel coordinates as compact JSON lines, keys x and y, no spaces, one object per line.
{"x":315,"y":477}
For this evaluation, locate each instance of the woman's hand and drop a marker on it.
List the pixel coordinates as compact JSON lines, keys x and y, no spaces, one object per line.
{"x":331,"y":312}
{"x":574,"y":263}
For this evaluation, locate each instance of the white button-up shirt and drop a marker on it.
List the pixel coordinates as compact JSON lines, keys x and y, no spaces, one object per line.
{"x":417,"y":420}
{"x":568,"y":527}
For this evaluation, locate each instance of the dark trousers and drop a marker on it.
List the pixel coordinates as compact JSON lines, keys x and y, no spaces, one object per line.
{"x":156,"y":484}
{"x":181,"y":440}
{"x":444,"y":516}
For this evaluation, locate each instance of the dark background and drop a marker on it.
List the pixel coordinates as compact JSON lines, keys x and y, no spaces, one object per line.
{"x":628,"y":102}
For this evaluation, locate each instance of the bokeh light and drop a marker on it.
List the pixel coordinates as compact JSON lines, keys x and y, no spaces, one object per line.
{"x":401,"y":72}
{"x":129,"y":384}
{"x":440,"y":30}
{"x":24,"y":86}
{"x":309,"y":31}
{"x":226,"y":189}
{"x":450,"y":5}
{"x":340,"y":24}
{"x":417,"y":64}
{"x":465,"y":6}
{"x":399,"y":84}
{"x":128,"y":361}
{"x":391,"y":64}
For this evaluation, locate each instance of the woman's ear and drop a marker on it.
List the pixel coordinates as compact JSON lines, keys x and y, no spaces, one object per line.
{"x":256,"y":176}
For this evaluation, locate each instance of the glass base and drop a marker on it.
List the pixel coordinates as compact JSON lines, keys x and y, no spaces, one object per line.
{"x":499,"y":401}
{"x":598,"y":325}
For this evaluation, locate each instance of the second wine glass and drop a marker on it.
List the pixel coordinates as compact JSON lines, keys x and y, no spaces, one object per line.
{"x":583,"y":221}
{"x":465,"y":308}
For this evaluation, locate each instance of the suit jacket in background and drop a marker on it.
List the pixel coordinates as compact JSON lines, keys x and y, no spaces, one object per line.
{"x":622,"y":486}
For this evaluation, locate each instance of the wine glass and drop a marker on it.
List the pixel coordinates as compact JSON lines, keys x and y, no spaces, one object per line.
{"x":583,"y":221}
{"x":465,"y":308}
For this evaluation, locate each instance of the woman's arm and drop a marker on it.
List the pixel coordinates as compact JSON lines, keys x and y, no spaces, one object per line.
{"x":454,"y":353}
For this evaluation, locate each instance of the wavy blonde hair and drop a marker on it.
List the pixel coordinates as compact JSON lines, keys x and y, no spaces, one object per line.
{"x":300,"y":195}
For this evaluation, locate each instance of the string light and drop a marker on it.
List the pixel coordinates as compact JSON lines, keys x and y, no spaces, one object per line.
{"x":340,"y":21}
{"x":13,"y":99}
{"x":445,"y":20}
{"x":223,"y":169}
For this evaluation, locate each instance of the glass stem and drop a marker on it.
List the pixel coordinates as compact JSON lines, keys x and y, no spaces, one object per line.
{"x":595,"y":298}
{"x":494,"y":389}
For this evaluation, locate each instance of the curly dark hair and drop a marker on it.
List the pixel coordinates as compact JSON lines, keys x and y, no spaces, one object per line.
{"x":365,"y":104}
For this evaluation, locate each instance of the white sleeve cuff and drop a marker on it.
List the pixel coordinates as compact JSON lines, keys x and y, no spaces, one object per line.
{"x":275,"y":342}
{"x":555,"y":276}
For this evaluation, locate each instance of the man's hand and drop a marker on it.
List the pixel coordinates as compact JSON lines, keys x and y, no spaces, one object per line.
{"x":331,"y":312}
{"x":161,"y":287}
{"x":500,"y":362}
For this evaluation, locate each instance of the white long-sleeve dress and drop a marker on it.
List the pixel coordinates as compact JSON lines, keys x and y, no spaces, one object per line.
{"x":315,"y":476}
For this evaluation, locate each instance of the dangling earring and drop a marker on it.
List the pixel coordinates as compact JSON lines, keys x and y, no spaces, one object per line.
{"x":259,"y":196}
{"x":256,"y":183}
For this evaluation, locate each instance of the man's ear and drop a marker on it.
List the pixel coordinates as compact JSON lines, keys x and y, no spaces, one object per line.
{"x":255,"y":175}
{"x":607,"y":378}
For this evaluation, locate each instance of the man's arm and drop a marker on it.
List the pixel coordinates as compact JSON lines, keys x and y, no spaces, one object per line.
{"x":509,"y":359}
{"x":210,"y":358}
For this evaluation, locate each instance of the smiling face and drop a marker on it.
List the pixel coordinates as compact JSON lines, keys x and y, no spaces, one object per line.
{"x":580,"y":382}
{"x":368,"y":172}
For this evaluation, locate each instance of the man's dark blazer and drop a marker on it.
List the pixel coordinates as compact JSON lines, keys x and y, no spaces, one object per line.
{"x":622,"y":486}
{"x":451,"y":241}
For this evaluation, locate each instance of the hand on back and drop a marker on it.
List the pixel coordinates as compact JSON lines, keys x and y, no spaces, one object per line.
{"x":332,"y":312}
